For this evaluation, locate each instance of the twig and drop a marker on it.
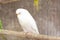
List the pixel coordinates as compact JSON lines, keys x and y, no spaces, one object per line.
{"x":28,"y":35}
{"x":8,"y":1}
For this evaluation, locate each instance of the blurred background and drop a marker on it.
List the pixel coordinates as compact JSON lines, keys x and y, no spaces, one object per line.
{"x":47,"y":16}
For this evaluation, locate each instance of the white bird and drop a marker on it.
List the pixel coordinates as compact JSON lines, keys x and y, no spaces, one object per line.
{"x":26,"y":21}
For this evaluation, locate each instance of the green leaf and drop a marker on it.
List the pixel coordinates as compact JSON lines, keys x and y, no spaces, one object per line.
{"x":1,"y":24}
{"x":4,"y":38}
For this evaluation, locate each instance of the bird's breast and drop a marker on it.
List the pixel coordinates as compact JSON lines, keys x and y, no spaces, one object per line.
{"x":23,"y":19}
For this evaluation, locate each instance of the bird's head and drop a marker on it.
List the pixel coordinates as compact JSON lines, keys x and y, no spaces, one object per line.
{"x":21,"y":11}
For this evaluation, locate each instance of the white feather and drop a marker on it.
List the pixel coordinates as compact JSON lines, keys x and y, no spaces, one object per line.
{"x":26,"y":21}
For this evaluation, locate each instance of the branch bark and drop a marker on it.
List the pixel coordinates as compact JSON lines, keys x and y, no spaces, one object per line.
{"x":28,"y":35}
{"x":8,"y":1}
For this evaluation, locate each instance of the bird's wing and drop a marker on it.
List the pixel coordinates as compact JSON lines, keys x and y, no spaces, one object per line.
{"x":34,"y":27}
{"x":29,"y":27}
{"x":30,"y":22}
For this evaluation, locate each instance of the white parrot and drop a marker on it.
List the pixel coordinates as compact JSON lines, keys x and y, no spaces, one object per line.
{"x":26,"y":21}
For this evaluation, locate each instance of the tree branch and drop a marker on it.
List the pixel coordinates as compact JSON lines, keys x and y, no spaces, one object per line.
{"x":28,"y":35}
{"x":8,"y":1}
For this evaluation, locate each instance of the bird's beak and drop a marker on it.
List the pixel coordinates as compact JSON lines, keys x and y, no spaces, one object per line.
{"x":17,"y":14}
